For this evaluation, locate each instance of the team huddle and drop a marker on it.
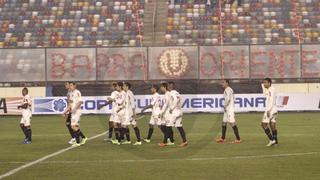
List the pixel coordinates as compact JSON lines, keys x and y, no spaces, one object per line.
{"x":166,"y":113}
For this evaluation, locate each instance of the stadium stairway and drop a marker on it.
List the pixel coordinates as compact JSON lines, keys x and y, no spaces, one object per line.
{"x":148,"y":23}
{"x":161,"y":22}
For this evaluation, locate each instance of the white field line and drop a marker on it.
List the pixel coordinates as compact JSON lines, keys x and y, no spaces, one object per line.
{"x":14,"y":171}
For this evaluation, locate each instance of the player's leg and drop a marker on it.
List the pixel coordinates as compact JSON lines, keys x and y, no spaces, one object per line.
{"x":223,"y":129}
{"x":170,"y":124}
{"x":274,"y":130}
{"x":110,"y":130}
{"x":116,"y":125}
{"x":232,"y":122}
{"x":178,"y":125}
{"x":125,"y":133}
{"x":22,"y":121}
{"x":137,"y":133}
{"x":264,"y":125}
{"x":152,"y":122}
{"x":68,"y":125}
{"x":75,"y":118}
{"x":27,"y":126}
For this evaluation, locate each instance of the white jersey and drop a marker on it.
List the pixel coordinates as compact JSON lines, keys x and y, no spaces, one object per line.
{"x":75,"y":98}
{"x":271,"y":96}
{"x":130,"y":103}
{"x":26,"y":100}
{"x":113,"y":96}
{"x":156,"y":102}
{"x":175,"y":103}
{"x":120,"y":100}
{"x":166,"y":103}
{"x":228,"y":99}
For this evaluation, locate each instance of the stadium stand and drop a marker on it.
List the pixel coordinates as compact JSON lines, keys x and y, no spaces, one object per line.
{"x":194,"y":22}
{"x":72,"y":23}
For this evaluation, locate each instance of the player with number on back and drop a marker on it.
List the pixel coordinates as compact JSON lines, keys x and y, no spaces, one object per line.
{"x":25,"y":122}
{"x":228,"y":116}
{"x":270,"y":114}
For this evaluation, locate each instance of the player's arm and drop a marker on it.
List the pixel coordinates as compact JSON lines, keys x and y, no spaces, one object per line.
{"x":164,"y":107}
{"x":227,"y":100}
{"x":146,"y":107}
{"x":106,"y":104}
{"x":133,"y":105}
{"x":175,"y":100}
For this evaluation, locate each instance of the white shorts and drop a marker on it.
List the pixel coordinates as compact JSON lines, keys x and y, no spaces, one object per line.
{"x":228,"y":117}
{"x":272,"y":118}
{"x":119,"y":117}
{"x":75,"y":119}
{"x":156,"y":120}
{"x":174,"y":119}
{"x":112,"y":116}
{"x":26,"y":119}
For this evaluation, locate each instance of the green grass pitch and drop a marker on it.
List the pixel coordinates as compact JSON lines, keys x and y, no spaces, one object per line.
{"x":297,"y":156}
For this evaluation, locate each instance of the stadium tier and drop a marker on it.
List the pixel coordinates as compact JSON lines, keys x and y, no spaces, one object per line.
{"x":208,"y":22}
{"x":72,"y":23}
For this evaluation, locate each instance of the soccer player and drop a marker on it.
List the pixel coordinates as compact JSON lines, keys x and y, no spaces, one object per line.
{"x":75,"y":109}
{"x":176,"y":113}
{"x":67,"y":115}
{"x":228,"y":116}
{"x":119,"y":113}
{"x":26,"y":116}
{"x":130,"y":114}
{"x":270,"y":114}
{"x":165,"y":116}
{"x":155,"y":120}
{"x":111,"y":99}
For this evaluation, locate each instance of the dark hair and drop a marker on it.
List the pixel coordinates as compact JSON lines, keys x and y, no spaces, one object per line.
{"x":171,"y":82}
{"x":268,"y":80}
{"x":164,"y":84}
{"x":127,"y":84}
{"x":155,"y":87}
{"x":120,"y":84}
{"x":25,"y":89}
{"x":114,"y":84}
{"x":227,"y":81}
{"x":74,"y":83}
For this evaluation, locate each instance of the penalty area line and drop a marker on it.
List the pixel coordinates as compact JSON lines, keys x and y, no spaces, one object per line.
{"x":14,"y":171}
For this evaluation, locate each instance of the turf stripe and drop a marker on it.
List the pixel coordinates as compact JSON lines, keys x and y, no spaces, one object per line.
{"x":186,"y":159}
{"x":14,"y":171}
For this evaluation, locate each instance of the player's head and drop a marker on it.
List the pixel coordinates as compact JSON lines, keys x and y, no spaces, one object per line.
{"x":126,"y":86}
{"x":267,"y":82}
{"x":72,"y":86}
{"x":154,"y":88}
{"x":25,"y":91}
{"x":119,"y":86}
{"x":66,"y":85}
{"x":113,"y":86}
{"x":171,"y":85}
{"x":164,"y":87}
{"x":225,"y":83}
